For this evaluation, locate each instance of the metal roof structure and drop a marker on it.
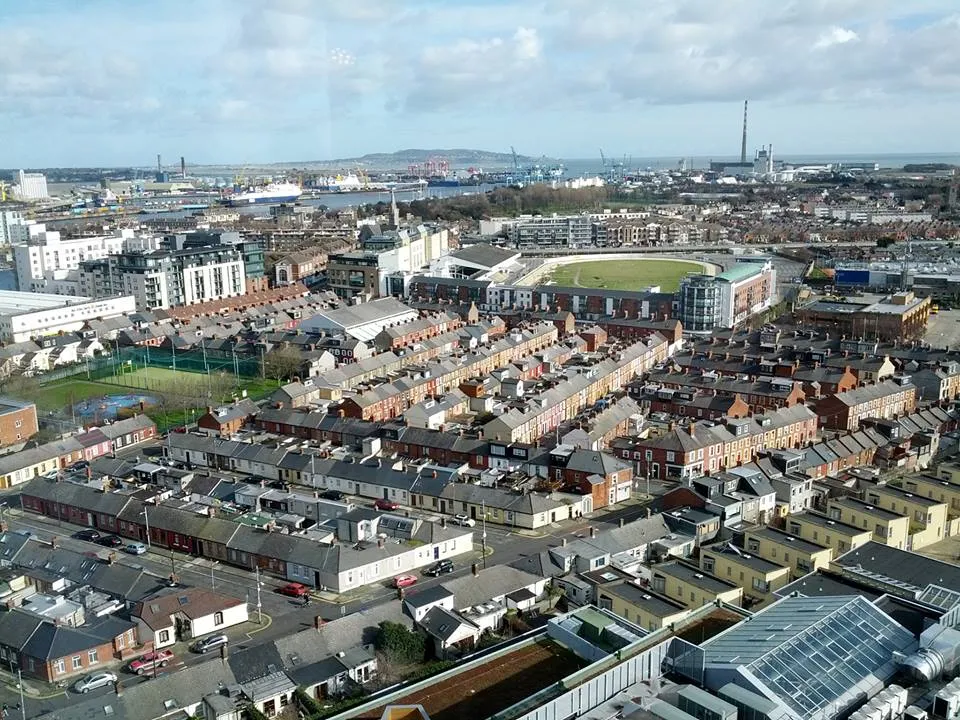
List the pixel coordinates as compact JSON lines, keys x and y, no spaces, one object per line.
{"x":812,"y":654}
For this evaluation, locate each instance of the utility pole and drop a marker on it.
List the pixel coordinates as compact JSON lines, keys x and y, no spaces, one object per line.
{"x":213,"y":580}
{"x":259,"y":608}
{"x":23,"y":705}
{"x":146,"y":522}
{"x":483,"y":536}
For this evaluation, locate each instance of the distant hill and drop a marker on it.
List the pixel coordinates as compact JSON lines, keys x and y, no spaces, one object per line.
{"x":454,"y":156}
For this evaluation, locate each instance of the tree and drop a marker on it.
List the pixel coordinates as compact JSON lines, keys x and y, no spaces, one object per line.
{"x":398,"y":644}
{"x":282,"y":363}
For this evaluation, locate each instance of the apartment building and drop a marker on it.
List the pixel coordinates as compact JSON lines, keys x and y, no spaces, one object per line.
{"x":887,"y":527}
{"x":161,"y":279}
{"x":45,"y":262}
{"x":822,"y":529}
{"x":727,"y":300}
{"x":885,"y":400}
{"x":928,"y":517}
{"x":692,"y":586}
{"x":641,"y":606}
{"x":759,"y":578}
{"x":801,"y":556}
{"x":571,"y":231}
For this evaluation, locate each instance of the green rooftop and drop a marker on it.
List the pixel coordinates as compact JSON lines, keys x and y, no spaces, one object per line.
{"x":740,"y":271}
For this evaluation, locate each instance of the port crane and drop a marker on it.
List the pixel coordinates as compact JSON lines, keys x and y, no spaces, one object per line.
{"x":516,"y":163}
{"x":603,"y":160}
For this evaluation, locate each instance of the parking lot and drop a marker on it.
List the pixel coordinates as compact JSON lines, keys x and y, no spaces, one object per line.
{"x":943,"y":329}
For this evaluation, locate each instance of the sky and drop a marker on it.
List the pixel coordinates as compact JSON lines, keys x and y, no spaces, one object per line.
{"x":109,"y":83}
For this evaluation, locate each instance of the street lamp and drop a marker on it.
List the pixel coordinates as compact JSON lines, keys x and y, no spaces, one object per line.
{"x":146,"y":520}
{"x":3,"y":521}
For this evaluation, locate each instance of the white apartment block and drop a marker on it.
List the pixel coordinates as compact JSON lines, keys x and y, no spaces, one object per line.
{"x":215,"y":281}
{"x":31,"y":186}
{"x":45,"y":262}
{"x":13,"y":228}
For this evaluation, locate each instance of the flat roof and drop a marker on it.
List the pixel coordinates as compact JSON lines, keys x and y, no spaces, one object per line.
{"x":869,"y":508}
{"x":741,"y":271}
{"x":900,"y":565}
{"x":657,"y":605}
{"x":904,"y":495}
{"x":787,"y":540}
{"x":827,"y":523}
{"x":14,"y":302}
{"x":694,"y":576}
{"x":742,"y":557}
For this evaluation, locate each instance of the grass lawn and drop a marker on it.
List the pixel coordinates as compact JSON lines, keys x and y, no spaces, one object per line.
{"x":624,"y":274}
{"x":63,"y":393}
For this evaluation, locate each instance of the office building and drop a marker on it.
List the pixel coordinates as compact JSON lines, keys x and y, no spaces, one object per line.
{"x":31,"y":186}
{"x":901,"y":316}
{"x":729,"y":299}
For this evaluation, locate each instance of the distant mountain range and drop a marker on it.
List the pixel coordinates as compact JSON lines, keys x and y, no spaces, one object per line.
{"x":455,"y":156}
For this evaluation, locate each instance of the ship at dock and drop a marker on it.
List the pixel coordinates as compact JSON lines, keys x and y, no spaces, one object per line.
{"x":274,"y":193}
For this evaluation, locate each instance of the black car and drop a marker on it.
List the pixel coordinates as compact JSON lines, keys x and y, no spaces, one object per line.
{"x":441,"y":568}
{"x":90,"y":535}
{"x":110,"y":541}
{"x":332,"y":495}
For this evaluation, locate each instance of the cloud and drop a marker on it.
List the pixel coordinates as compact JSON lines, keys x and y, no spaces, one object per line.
{"x":835,"y":36}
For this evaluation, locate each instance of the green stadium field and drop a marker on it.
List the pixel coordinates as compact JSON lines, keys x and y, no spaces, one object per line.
{"x":624,"y":274}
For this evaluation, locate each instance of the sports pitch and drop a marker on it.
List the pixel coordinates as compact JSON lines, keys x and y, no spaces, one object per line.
{"x":624,"y":274}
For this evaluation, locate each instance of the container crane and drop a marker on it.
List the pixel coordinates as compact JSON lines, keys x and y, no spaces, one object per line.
{"x":603,"y":160}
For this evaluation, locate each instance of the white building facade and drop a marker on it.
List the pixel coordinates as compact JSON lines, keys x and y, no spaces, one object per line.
{"x":25,"y":315}
{"x":46,"y":262}
{"x":31,"y":186}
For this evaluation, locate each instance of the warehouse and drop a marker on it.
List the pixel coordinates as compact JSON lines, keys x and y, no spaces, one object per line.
{"x":28,"y":315}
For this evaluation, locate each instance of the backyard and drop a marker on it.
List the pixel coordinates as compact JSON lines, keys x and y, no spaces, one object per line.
{"x":624,"y":274}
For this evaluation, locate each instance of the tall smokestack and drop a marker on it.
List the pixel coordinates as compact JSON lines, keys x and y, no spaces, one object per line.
{"x":743,"y":142}
{"x":159,"y":168}
{"x":183,"y":168}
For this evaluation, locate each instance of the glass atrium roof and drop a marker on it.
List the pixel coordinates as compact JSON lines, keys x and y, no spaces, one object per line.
{"x":809,"y":652}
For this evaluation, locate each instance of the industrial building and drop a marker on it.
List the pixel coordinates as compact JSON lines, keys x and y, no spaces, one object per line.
{"x":31,"y":186}
{"x":897,"y":317}
{"x":726,"y":300}
{"x":363,"y":321}
{"x":27,"y":315}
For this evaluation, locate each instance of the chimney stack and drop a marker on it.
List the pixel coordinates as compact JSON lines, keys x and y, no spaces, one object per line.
{"x":743,"y":141}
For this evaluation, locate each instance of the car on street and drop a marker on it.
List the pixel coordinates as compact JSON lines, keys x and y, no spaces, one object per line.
{"x":296,"y":590}
{"x":90,"y":535}
{"x":151,"y":661}
{"x":332,"y":495}
{"x":402,"y":581}
{"x":384,"y":504}
{"x":440,"y":568}
{"x":464,"y":521}
{"x":135,"y":548}
{"x":211,"y":642}
{"x":93,"y":681}
{"x":110,"y":541}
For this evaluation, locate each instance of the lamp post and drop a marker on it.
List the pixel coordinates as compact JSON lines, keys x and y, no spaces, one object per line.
{"x":483,"y":535}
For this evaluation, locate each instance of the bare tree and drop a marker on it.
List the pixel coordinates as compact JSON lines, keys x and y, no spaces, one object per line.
{"x":282,"y":363}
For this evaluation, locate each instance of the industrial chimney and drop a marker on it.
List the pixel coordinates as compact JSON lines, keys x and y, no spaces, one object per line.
{"x":743,"y":142}
{"x":183,"y":168}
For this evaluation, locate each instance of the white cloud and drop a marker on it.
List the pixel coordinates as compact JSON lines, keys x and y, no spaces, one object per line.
{"x":835,"y":36}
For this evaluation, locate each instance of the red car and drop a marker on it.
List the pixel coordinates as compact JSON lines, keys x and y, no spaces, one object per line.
{"x":151,"y":661}
{"x":294,"y":590}
{"x":402,"y":581}
{"x":384,"y":504}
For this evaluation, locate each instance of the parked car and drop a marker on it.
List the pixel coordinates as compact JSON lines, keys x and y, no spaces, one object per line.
{"x":94,"y":681}
{"x":332,"y":495}
{"x":135,"y":548}
{"x":402,"y":581}
{"x":384,"y":504}
{"x":211,"y":642}
{"x":294,"y":590}
{"x":440,"y":568}
{"x":90,"y":535}
{"x":151,"y":661}
{"x":464,"y":521}
{"x":110,"y":541}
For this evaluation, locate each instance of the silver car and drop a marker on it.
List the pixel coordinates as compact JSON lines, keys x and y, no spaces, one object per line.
{"x":209,"y":643}
{"x":94,"y":681}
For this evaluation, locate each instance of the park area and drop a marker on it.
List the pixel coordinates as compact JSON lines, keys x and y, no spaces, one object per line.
{"x":633,"y":274}
{"x":170,"y":397}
